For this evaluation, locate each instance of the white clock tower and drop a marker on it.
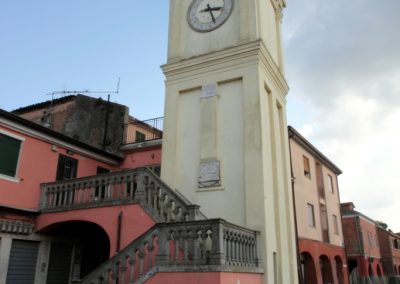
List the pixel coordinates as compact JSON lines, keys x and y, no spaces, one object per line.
{"x":225,"y":144}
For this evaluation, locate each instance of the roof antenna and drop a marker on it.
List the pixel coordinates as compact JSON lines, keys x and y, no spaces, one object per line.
{"x":108,"y":115}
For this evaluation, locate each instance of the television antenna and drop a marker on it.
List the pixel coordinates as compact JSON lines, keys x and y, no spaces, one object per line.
{"x":75,"y":92}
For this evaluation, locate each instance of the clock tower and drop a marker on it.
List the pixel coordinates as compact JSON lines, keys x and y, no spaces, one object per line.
{"x":225,"y":143}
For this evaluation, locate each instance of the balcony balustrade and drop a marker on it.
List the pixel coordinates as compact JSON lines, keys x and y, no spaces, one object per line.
{"x":125,"y":187}
{"x":138,"y":131}
{"x":191,"y":246}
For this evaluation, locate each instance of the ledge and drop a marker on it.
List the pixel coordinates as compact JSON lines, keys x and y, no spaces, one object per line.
{"x":16,"y":227}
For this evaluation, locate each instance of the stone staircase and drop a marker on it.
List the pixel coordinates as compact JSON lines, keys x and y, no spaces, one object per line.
{"x":182,"y":240}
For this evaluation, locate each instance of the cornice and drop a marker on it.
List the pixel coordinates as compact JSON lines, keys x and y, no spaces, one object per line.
{"x":16,"y":227}
{"x":303,"y":142}
{"x":278,"y":4}
{"x":227,"y":59}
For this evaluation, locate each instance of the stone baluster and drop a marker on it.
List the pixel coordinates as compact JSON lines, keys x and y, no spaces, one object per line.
{"x":43,"y":197}
{"x":149,"y":192}
{"x":123,"y":270}
{"x":141,"y":262}
{"x":155,"y":199}
{"x":132,"y":261}
{"x":141,"y":182}
{"x":116,"y":185}
{"x":114,"y":275}
{"x":163,"y":239}
{"x":185,"y":240}
{"x":246,"y":259}
{"x":176,"y":247}
{"x":150,"y":250}
{"x":240,"y":247}
{"x":193,"y":212}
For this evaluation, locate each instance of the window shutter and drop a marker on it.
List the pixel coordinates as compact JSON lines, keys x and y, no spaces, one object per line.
{"x":9,"y":152}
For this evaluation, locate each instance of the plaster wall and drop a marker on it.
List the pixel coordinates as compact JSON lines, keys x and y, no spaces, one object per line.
{"x":135,"y":221}
{"x":141,"y":158}
{"x":37,"y":164}
{"x":205,"y":277}
{"x":306,"y":192}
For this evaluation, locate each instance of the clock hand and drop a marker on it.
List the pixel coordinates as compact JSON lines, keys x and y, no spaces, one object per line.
{"x":210,"y":10}
{"x":211,"y":13}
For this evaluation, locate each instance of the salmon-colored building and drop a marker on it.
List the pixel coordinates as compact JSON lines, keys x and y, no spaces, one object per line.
{"x":317,"y":212}
{"x":390,"y":252}
{"x":362,"y":245}
{"x":71,"y":212}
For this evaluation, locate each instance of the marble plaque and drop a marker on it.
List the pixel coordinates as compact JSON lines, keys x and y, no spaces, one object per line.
{"x":209,"y":173}
{"x":209,"y":91}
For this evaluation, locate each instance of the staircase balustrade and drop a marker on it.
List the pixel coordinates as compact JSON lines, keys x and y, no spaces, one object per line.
{"x":125,"y":187}
{"x":189,"y":246}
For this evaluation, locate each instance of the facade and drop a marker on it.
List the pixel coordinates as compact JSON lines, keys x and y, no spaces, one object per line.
{"x":390,"y":251}
{"x":71,"y":212}
{"x":362,"y":244}
{"x":317,"y":211}
{"x":225,"y":132}
{"x":31,"y":154}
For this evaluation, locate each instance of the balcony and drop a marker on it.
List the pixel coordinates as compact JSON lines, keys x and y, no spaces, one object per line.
{"x":140,"y":186}
{"x":138,"y":131}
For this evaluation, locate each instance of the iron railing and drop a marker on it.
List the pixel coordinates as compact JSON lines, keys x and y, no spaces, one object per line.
{"x":138,"y":131}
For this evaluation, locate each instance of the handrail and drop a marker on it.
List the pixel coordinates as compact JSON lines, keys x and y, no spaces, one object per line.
{"x":138,"y":131}
{"x":125,"y":187}
{"x":203,"y":245}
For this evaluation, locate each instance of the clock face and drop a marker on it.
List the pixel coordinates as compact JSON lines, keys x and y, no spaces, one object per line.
{"x":207,"y":15}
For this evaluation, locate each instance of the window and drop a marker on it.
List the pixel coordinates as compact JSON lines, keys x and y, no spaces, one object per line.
{"x":306,"y":164}
{"x":310,"y":215}
{"x":67,"y":168}
{"x":9,"y":155}
{"x":330,"y":183}
{"x":140,"y":137}
{"x":335,"y":225}
{"x":370,"y":239}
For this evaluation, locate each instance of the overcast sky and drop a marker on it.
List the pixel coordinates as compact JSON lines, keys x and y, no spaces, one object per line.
{"x":342,"y":65}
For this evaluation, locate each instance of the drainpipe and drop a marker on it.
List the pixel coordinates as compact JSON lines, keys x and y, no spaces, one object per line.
{"x":292,"y":178}
{"x":119,"y":227}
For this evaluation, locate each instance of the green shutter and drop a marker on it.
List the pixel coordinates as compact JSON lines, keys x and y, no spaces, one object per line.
{"x":9,"y":152}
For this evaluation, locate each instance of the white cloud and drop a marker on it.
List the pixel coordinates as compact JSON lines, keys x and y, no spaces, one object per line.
{"x":344,"y":71}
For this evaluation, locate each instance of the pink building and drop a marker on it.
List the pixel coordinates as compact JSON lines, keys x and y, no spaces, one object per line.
{"x":71,"y":212}
{"x":317,"y":211}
